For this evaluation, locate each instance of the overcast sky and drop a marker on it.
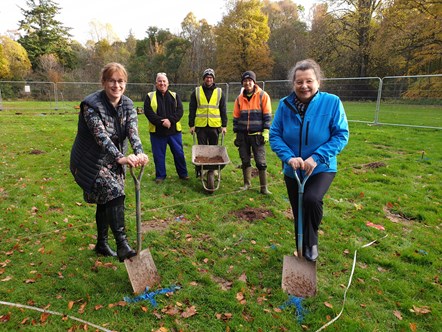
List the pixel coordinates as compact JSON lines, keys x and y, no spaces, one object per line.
{"x":124,"y":16}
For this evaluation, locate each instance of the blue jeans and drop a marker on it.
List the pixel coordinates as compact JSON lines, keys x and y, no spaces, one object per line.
{"x":159,"y":146}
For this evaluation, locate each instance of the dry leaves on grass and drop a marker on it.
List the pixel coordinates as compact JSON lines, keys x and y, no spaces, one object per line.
{"x":397,"y":314}
{"x":328,"y":305}
{"x":225,"y":316}
{"x":420,"y":310}
{"x":240,"y":297}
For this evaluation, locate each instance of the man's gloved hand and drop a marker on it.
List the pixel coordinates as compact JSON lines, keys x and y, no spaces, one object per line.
{"x":265,"y":134}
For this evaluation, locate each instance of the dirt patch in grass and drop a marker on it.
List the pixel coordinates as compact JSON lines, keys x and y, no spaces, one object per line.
{"x":395,"y":217}
{"x":35,"y":151}
{"x":252,"y":214}
{"x":154,"y":225}
{"x":376,"y":164}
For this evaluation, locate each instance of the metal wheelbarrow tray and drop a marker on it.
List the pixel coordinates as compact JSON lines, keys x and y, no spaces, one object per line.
{"x":210,"y":158}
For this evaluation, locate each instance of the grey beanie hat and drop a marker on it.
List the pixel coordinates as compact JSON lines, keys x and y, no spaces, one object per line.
{"x":209,"y":71}
{"x":248,"y":74}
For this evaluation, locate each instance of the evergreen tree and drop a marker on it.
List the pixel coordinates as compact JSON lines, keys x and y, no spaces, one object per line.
{"x":43,"y":34}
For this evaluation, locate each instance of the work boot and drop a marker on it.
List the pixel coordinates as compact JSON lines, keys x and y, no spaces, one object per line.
{"x":311,"y":253}
{"x":263,"y":182}
{"x":102,"y":246}
{"x":247,"y":174}
{"x":115,"y":216}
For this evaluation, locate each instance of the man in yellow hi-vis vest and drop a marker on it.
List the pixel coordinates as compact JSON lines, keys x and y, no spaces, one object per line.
{"x":207,"y":111}
{"x":163,"y":109}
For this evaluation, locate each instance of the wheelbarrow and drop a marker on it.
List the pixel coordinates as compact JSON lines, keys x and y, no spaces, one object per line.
{"x":299,"y":274}
{"x":141,"y":268}
{"x":211,"y":159}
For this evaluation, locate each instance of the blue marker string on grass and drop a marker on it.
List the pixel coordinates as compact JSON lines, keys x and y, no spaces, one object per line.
{"x":150,"y":296}
{"x":297,"y":303}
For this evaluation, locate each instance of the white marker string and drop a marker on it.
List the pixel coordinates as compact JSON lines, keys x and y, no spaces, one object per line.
{"x":349,"y":283}
{"x":54,"y":313}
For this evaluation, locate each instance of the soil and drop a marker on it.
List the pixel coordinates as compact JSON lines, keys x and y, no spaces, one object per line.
{"x":209,"y":160}
{"x":299,"y":285}
{"x":251,"y":214}
{"x":154,"y":225}
{"x":376,"y":164}
{"x":35,"y":151}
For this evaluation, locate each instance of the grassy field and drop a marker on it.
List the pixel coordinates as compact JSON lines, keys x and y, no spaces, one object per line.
{"x":388,"y":113}
{"x":223,"y":250}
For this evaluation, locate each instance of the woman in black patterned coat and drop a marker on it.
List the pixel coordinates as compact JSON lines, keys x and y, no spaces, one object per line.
{"x":107,"y":120}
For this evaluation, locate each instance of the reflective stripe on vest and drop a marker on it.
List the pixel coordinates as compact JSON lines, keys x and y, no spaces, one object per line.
{"x":154,"y":104}
{"x":207,"y":112}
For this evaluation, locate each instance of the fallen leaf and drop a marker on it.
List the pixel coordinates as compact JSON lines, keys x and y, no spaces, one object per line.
{"x":162,"y":329}
{"x":82,"y":306}
{"x":328,"y":305}
{"x":380,"y":227}
{"x":189,"y":312}
{"x":240,"y":298}
{"x":98,"y":307}
{"x":29,"y":281}
{"x":358,"y":206}
{"x":6,"y":279}
{"x":5,"y":318}
{"x":44,"y":317}
{"x":171,"y":311}
{"x":420,"y":310}
{"x":24,"y":321}
{"x":397,"y":314}
{"x":413,"y":327}
{"x":242,"y":277}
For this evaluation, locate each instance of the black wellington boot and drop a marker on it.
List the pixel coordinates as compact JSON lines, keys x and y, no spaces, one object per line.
{"x":115,"y":217}
{"x":102,"y":246}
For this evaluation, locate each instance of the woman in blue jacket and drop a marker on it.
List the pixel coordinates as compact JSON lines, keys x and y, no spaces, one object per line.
{"x":309,"y":130}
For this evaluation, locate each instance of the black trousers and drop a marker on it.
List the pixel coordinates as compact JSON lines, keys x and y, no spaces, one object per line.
{"x":314,"y":190}
{"x":207,"y":135}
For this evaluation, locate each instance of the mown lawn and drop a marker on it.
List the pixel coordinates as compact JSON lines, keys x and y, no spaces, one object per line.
{"x":224,"y":251}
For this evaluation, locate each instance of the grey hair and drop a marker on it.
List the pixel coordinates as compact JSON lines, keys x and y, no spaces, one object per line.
{"x":305,"y":65}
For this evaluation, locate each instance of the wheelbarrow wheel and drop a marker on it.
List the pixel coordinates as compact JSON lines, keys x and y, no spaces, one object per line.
{"x":211,"y":181}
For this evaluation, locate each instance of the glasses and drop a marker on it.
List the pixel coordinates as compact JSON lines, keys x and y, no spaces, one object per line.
{"x":119,"y":82}
{"x":162,"y":74}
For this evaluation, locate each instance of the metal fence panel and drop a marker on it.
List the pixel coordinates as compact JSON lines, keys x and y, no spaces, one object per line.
{"x":393,"y":100}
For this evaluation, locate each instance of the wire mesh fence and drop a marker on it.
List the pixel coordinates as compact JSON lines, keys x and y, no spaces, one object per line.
{"x":394,"y":100}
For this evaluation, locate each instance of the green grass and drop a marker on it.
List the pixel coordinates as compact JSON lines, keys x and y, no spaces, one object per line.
{"x":389,"y":113}
{"x":389,"y":176}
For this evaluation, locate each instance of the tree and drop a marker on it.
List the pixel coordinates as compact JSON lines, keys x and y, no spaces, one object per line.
{"x":357,"y":31}
{"x":241,"y":40}
{"x":325,"y":45}
{"x":100,"y":31}
{"x":149,"y":57}
{"x":43,"y":34}
{"x":409,"y":41}
{"x":202,"y":53}
{"x":14,"y":61}
{"x":288,"y":36}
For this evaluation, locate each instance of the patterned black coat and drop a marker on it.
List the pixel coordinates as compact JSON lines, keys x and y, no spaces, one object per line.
{"x":102,"y":139}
